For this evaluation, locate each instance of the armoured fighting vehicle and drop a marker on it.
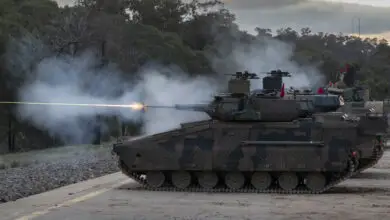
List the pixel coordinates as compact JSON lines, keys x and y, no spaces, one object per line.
{"x":354,"y":100}
{"x":357,"y":100}
{"x":253,"y":142}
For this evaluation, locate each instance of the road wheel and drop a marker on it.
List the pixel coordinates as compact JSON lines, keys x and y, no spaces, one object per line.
{"x":234,"y":180}
{"x":155,"y":179}
{"x":181,"y":179}
{"x":288,"y":181}
{"x":261,"y":180}
{"x":315,"y":181}
{"x":207,"y":180}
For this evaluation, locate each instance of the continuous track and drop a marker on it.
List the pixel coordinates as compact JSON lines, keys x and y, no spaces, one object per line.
{"x":376,"y":156}
{"x":248,"y":188}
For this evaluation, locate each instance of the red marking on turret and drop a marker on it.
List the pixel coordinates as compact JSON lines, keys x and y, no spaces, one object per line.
{"x":282,"y":91}
{"x":320,"y":90}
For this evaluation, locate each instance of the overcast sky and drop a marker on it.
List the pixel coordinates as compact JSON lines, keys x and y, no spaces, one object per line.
{"x":319,"y":15}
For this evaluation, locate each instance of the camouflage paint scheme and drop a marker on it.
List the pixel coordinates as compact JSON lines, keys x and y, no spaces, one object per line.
{"x":300,"y":147}
{"x":356,"y":102}
{"x":258,"y":142}
{"x":220,"y":146}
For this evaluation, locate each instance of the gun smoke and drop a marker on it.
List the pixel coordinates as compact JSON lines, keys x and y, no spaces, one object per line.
{"x":79,"y":79}
{"x":265,"y":54}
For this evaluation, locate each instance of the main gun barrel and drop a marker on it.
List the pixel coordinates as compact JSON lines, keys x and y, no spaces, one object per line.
{"x":160,"y":106}
{"x":193,"y":107}
{"x":186,"y":107}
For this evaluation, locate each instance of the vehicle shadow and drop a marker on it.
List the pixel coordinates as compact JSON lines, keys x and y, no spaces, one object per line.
{"x":335,"y":190}
{"x":372,"y":175}
{"x":358,"y":190}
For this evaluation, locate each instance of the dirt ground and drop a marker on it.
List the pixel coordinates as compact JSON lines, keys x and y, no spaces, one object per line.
{"x":364,"y":197}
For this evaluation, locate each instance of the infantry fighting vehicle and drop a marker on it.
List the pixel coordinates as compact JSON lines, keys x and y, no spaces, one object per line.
{"x":357,"y":101}
{"x":256,"y":142}
{"x":354,"y":100}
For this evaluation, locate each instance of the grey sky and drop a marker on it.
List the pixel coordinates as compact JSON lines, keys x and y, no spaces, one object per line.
{"x":319,"y":15}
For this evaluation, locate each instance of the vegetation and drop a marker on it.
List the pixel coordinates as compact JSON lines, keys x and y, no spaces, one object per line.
{"x":170,"y":32}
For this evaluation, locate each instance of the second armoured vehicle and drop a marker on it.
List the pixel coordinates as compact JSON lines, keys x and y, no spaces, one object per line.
{"x":357,"y":100}
{"x":256,"y":142}
{"x":354,"y":100}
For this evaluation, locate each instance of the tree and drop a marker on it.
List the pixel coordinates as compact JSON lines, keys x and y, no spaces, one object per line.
{"x":164,"y":15}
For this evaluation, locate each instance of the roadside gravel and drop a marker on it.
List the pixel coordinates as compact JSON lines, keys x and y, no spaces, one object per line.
{"x":51,"y":171}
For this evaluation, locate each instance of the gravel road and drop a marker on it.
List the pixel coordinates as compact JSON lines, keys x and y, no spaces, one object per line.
{"x":49,"y":170}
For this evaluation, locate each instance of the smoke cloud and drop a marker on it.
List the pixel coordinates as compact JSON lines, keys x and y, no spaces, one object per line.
{"x":264,"y":55}
{"x":176,"y":88}
{"x":79,"y":79}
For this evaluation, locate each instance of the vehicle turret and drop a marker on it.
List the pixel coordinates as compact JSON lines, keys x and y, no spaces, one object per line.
{"x":241,"y":104}
{"x":251,"y":109}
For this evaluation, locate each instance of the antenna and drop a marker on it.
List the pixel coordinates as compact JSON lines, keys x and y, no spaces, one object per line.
{"x":359,"y":26}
